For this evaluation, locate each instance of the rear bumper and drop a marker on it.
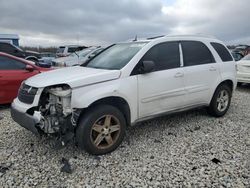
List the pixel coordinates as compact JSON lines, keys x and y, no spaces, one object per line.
{"x":25,"y":120}
{"x":243,"y":77}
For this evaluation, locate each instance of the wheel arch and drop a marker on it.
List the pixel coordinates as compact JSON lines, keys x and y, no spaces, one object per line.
{"x":227,"y":82}
{"x":31,"y":58}
{"x":115,"y":101}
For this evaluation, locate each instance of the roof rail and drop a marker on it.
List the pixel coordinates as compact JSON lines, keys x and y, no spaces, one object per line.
{"x":151,"y":38}
{"x":192,"y":35}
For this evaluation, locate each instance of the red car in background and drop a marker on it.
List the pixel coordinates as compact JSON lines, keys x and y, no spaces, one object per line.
{"x":13,"y":71}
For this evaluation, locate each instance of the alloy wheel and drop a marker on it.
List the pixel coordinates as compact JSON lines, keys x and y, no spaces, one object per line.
{"x":105,"y":131}
{"x":222,"y":100}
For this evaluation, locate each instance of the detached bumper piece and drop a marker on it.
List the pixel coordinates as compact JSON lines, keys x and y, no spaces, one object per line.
{"x":25,"y":120}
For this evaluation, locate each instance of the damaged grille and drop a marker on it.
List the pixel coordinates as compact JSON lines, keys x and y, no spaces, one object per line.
{"x":26,"y":94}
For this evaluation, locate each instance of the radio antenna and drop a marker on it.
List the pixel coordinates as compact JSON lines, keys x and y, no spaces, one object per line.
{"x":135,"y":38}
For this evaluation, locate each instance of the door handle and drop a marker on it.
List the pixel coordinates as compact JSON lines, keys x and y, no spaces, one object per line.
{"x":178,"y":74}
{"x":212,"y":69}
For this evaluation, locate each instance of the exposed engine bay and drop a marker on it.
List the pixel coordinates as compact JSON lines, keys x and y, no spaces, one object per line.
{"x":54,"y":113}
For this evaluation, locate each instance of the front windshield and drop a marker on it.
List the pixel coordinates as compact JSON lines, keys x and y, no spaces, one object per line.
{"x":247,"y":57}
{"x":73,"y":55}
{"x":85,"y":52}
{"x":116,"y":56}
{"x":18,"y":48}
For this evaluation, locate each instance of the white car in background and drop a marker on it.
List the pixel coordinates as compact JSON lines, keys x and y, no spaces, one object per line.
{"x":243,"y":70}
{"x":76,"y":58}
{"x":63,"y":51}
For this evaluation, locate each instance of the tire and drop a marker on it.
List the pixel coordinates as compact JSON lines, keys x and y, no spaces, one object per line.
{"x":214,"y":108}
{"x":101,"y":129}
{"x":239,"y":84}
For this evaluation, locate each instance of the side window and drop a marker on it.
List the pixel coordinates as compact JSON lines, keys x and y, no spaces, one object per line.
{"x":10,"y":64}
{"x":6,"y":48}
{"x":222,"y":51}
{"x":196,"y":53}
{"x":165,"y":56}
{"x":72,"y":49}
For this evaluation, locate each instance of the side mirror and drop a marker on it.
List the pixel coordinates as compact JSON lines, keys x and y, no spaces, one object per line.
{"x":29,"y":68}
{"x":147,"y":66}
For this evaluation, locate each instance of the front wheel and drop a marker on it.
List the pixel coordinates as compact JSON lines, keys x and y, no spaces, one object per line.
{"x":221,"y":101}
{"x":101,"y":129}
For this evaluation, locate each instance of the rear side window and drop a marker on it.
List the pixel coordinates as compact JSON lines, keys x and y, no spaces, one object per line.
{"x":222,"y":51}
{"x":165,"y":56}
{"x":196,"y":53}
{"x":10,"y":64}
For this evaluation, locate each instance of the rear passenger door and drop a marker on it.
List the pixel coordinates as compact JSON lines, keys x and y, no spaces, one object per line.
{"x":163,"y":89}
{"x":201,"y":72}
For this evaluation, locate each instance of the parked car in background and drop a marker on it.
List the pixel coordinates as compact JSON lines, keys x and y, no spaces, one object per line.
{"x":13,"y":71}
{"x":125,"y":84}
{"x":77,"y":58}
{"x":237,"y":56}
{"x":243,"y":49}
{"x":46,"y":59}
{"x":243,"y":70}
{"x":18,"y":52}
{"x":64,"y":51}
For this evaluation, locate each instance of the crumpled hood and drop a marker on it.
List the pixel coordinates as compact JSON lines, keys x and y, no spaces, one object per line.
{"x":73,"y":76}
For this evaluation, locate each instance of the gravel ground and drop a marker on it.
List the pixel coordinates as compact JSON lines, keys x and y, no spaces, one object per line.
{"x":190,"y":149}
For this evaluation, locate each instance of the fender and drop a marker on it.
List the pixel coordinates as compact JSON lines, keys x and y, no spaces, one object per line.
{"x":31,"y":57}
{"x":124,"y":88}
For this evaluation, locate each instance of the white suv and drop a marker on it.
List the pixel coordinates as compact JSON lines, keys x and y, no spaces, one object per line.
{"x":127,"y":83}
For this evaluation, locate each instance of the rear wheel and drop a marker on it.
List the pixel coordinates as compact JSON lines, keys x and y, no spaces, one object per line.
{"x":101,"y":130}
{"x":239,"y":84}
{"x":220,"y":101}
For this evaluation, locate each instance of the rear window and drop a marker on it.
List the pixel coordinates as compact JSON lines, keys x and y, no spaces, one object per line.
{"x":222,"y":51}
{"x":196,"y":53}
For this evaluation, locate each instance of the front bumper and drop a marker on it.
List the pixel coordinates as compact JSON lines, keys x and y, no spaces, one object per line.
{"x":25,"y":120}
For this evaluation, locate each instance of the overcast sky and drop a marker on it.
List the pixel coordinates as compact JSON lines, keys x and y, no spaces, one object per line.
{"x":57,"y":22}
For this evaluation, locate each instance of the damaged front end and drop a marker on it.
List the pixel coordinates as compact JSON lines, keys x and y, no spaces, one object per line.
{"x":54,"y":110}
{"x":52,"y":116}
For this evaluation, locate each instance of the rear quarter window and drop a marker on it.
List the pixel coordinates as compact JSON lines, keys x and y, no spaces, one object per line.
{"x":222,"y":52}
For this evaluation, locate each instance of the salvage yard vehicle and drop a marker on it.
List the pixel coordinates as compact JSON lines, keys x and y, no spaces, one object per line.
{"x":237,"y":56}
{"x":127,"y":83}
{"x":13,"y":71}
{"x":63,"y":51}
{"x":77,"y":58}
{"x":18,"y":52}
{"x":46,"y":59}
{"x":243,"y":70}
